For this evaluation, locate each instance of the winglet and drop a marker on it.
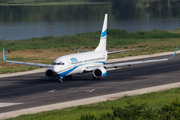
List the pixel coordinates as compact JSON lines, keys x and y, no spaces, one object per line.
{"x":174,"y":53}
{"x":4,"y":55}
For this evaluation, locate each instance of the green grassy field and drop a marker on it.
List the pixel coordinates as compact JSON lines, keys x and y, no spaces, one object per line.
{"x":154,"y":101}
{"x":116,"y":39}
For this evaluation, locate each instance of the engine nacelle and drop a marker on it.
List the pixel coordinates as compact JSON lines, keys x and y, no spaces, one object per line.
{"x":49,"y":73}
{"x":100,"y":72}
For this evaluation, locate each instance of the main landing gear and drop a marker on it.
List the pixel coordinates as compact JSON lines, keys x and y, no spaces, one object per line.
{"x":95,"y":78}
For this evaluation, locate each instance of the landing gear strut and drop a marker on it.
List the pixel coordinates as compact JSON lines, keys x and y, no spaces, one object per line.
{"x":60,"y":78}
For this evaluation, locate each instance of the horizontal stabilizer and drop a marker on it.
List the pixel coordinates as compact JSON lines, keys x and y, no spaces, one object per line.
{"x":82,"y":50}
{"x":124,"y":50}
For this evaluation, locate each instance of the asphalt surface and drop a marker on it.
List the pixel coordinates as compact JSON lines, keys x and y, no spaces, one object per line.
{"x":36,"y":90}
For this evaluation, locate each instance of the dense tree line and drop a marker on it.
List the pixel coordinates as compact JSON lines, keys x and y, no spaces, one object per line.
{"x":15,"y":1}
{"x":26,"y":1}
{"x":119,"y":9}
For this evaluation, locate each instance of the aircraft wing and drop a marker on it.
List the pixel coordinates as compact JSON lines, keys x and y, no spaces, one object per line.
{"x":123,"y":50}
{"x":115,"y":65}
{"x":26,"y":63}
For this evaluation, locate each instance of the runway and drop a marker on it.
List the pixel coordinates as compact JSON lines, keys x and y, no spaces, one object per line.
{"x":34,"y":90}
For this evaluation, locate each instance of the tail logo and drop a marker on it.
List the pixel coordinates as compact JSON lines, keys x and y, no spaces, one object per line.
{"x":104,"y":33}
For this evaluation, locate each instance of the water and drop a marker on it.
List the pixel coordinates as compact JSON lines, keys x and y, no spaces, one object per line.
{"x":22,"y":22}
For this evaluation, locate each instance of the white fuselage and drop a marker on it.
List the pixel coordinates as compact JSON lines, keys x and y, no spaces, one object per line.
{"x":77,"y":63}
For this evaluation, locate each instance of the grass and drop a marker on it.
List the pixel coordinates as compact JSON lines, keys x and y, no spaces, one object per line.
{"x":47,"y":49}
{"x":17,"y":68}
{"x":116,"y":39}
{"x":154,"y":100}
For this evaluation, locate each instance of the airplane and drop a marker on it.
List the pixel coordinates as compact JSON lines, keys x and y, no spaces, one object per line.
{"x":88,"y":61}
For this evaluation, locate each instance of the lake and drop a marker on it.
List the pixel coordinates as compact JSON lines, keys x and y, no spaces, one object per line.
{"x":22,"y":22}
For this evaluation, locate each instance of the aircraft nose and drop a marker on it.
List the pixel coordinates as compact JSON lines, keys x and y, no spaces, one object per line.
{"x":55,"y":69}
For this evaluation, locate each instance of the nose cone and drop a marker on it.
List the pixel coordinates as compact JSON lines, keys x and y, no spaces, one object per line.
{"x":55,"y":68}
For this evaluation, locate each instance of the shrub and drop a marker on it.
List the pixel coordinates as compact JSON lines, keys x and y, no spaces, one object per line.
{"x":89,"y":116}
{"x":171,"y":111}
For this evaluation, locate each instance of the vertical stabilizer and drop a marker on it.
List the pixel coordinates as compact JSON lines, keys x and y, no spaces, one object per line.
{"x":102,"y":43}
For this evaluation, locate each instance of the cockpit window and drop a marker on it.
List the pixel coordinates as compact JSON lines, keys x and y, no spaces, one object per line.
{"x":60,"y":63}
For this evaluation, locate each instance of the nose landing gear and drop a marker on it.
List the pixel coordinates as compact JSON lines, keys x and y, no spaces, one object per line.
{"x":61,"y":78}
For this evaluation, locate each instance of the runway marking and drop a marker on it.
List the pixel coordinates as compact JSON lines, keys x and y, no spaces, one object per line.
{"x":166,"y":66}
{"x":52,"y":91}
{"x":8,"y":104}
{"x":89,"y":90}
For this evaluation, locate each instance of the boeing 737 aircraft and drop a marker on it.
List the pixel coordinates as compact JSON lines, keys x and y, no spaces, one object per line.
{"x":88,"y":61}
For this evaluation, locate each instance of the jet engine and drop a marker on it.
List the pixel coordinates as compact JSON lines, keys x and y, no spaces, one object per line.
{"x":100,"y":72}
{"x":49,"y":73}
